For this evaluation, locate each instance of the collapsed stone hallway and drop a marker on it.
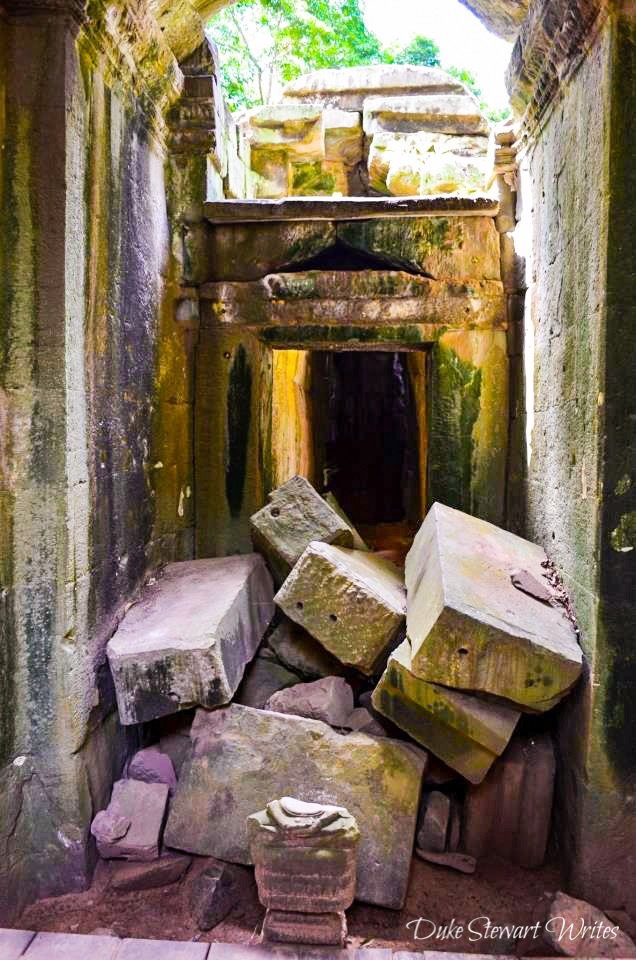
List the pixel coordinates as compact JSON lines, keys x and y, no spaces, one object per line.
{"x":193,"y":313}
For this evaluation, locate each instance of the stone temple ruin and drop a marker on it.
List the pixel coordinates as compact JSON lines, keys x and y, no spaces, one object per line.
{"x":316,"y":494}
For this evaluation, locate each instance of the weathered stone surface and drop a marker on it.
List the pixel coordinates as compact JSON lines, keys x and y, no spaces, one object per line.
{"x":463,"y":731}
{"x":269,"y":175}
{"x":455,"y":861}
{"x":296,"y":128}
{"x":390,"y":149}
{"x":263,"y":678}
{"x":329,"y":699}
{"x":188,"y":638}
{"x":74,"y":946}
{"x":455,"y":113}
{"x":212,"y":896}
{"x":152,"y":766}
{"x":352,"y":602}
{"x":294,"y":516}
{"x":358,"y":542}
{"x":160,"y":950}
{"x":243,"y":757}
{"x":502,"y":17}
{"x":363,"y":721}
{"x":440,"y":173}
{"x":239,"y":252}
{"x":441,"y":248}
{"x":315,"y":178}
{"x":169,"y":868}
{"x":143,"y":805}
{"x":433,"y":822}
{"x":343,"y":136}
{"x":301,"y":654}
{"x":317,"y":929}
{"x":510,"y":813}
{"x":177,"y":747}
{"x":348,"y":88}
{"x":471,"y":629}
{"x":577,"y":929}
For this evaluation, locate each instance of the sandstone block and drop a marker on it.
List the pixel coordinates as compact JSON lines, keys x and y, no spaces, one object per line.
{"x":439,"y":173}
{"x":143,"y":806}
{"x":343,"y":136}
{"x":358,"y":542}
{"x":577,"y":929}
{"x":351,"y":602}
{"x":239,"y":252}
{"x":269,"y":175}
{"x":301,"y":654}
{"x":363,"y":721}
{"x":244,"y":757}
{"x":317,"y":929}
{"x":169,"y":868}
{"x":434,"y":822}
{"x":295,"y":515}
{"x":212,"y":896}
{"x":329,"y":699}
{"x":454,"y":113}
{"x":152,"y":766}
{"x":465,"y":732}
{"x":294,"y":127}
{"x":189,"y":637}
{"x":470,"y":628}
{"x":74,"y":946}
{"x":318,"y":178}
{"x":509,"y":814}
{"x":177,"y":747}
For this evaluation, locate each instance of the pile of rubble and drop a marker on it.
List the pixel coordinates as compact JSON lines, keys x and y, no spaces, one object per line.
{"x":362,"y":688}
{"x":389,"y":130}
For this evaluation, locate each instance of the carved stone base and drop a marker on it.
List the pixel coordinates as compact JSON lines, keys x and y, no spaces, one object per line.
{"x":318,"y":929}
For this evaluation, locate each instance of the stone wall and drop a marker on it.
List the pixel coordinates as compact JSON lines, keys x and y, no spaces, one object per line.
{"x":577,"y":190}
{"x":95,"y":405}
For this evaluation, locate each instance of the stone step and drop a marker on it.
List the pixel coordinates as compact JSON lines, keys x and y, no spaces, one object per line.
{"x":188,"y":638}
{"x":472,"y":629}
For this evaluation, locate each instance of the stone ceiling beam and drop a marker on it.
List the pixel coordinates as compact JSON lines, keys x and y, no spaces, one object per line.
{"x":501,"y":17}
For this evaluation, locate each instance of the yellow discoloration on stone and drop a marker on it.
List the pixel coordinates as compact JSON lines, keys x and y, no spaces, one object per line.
{"x":292,"y":442}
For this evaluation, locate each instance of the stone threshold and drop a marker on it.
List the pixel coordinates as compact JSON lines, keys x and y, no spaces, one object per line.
{"x":348,"y":208}
{"x":15,"y":944}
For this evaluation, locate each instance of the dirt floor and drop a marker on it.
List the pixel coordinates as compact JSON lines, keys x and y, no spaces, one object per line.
{"x":498,"y":892}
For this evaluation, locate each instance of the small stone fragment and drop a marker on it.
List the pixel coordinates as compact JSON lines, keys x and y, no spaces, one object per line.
{"x":169,"y":868}
{"x":295,"y":515}
{"x":456,"y":861}
{"x":471,"y":629}
{"x":465,"y":732}
{"x":301,"y":654}
{"x":577,"y":929}
{"x":352,"y":602}
{"x":212,"y":896}
{"x":143,"y":805}
{"x":152,"y":766}
{"x":189,"y":637}
{"x":434,"y":820}
{"x":363,"y":721}
{"x":264,"y":677}
{"x":329,"y":699}
{"x":110,"y":825}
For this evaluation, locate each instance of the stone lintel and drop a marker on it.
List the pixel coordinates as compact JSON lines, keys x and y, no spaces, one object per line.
{"x":348,"y":208}
{"x":501,"y":17}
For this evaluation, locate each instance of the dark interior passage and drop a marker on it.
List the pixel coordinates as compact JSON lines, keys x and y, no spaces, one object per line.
{"x":366,"y":434}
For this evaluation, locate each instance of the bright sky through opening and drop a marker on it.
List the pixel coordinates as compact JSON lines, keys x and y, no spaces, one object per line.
{"x":463,"y":41}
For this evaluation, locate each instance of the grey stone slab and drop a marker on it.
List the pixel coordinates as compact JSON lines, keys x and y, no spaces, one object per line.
{"x":190,"y":635}
{"x":161,"y":950}
{"x":13,"y":943}
{"x":73,"y":946}
{"x":243,"y":758}
{"x":471,"y":629}
{"x":348,"y":208}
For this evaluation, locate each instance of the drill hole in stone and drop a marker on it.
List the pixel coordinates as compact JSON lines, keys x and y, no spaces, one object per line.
{"x":463,"y":651}
{"x":275,"y":512}
{"x":333,"y":617}
{"x":300,"y":605}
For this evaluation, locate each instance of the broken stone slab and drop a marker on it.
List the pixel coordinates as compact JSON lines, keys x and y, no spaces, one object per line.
{"x":329,"y":699}
{"x":352,"y":602}
{"x":348,"y":88}
{"x":295,"y":516}
{"x":301,"y":654}
{"x":453,"y":113}
{"x":575,"y":928}
{"x":434,"y":821}
{"x":363,"y":721}
{"x":212,"y":896}
{"x":189,"y":637}
{"x":244,"y":757}
{"x":455,"y":861}
{"x":143,"y":807}
{"x":263,"y":678}
{"x":471,"y":629}
{"x":358,"y":542}
{"x":510,"y":813}
{"x":152,"y":766}
{"x":467,"y":733}
{"x":168,"y":869}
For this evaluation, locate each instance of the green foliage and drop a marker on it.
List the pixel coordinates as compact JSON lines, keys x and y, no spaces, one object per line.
{"x":421,"y":51}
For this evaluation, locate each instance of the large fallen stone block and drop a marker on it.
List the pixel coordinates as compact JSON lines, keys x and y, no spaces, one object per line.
{"x":242,"y":758}
{"x":295,"y":515}
{"x":348,"y":88}
{"x":130,"y":827}
{"x":465,"y":732}
{"x":471,"y":628}
{"x":352,"y":602}
{"x":189,"y":636}
{"x":509,"y":814}
{"x":329,"y":699}
{"x":453,"y":113}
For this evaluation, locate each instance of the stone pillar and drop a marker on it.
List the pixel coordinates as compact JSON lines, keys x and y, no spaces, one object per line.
{"x":571,"y":81}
